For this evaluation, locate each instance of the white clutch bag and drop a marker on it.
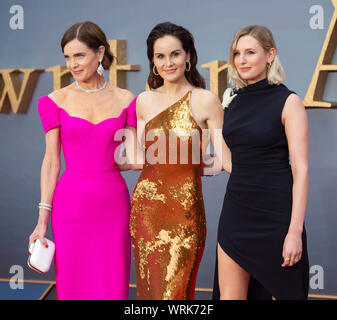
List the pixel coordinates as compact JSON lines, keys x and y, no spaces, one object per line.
{"x":40,"y":257}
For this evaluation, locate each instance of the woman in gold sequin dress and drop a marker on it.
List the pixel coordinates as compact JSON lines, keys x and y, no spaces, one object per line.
{"x":168,"y":226}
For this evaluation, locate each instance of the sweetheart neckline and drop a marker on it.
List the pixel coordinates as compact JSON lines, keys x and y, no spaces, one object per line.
{"x":93,"y":124}
{"x":85,"y":120}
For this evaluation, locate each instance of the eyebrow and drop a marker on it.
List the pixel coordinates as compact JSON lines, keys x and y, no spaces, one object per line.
{"x":171,"y":52}
{"x":245,"y":49}
{"x":76,"y":54}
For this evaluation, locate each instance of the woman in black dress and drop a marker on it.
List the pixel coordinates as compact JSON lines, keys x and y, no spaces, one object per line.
{"x":261,"y":252}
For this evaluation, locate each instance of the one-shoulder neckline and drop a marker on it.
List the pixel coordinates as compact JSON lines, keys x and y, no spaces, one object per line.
{"x":83,"y":119}
{"x":169,"y":107}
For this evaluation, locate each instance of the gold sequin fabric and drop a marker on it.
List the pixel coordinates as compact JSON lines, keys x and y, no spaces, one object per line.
{"x":167,"y":223}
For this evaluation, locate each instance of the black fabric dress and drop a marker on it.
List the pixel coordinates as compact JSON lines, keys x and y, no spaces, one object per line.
{"x":257,"y":206}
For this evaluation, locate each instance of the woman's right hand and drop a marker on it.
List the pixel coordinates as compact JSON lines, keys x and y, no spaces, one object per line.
{"x":39,"y":233}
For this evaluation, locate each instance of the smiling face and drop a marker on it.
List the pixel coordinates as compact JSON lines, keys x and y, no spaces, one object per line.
{"x":169,"y":58}
{"x":251,"y":60}
{"x":82,"y":61}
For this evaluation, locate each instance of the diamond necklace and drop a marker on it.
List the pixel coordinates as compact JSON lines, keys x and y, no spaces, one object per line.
{"x":93,"y":90}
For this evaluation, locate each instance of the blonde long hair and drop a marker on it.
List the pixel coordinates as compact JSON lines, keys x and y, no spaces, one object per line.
{"x":263,"y":35}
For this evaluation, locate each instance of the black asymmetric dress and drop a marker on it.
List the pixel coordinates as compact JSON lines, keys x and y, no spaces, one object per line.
{"x":258,"y":202}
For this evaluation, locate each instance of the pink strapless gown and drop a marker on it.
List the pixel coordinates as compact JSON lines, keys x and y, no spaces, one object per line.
{"x":91,"y":207}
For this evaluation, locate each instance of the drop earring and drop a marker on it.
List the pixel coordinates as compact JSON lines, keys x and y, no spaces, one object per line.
{"x":100,"y":69}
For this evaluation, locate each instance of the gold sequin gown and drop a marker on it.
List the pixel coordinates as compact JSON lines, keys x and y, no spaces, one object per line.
{"x":167,"y":224}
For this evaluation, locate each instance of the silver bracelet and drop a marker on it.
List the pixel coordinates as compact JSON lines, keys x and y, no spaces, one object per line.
{"x":45,"y":206}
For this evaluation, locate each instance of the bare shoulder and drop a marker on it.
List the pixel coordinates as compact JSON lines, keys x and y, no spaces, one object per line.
{"x":128,"y":95}
{"x":293,"y":104}
{"x":294,"y":99}
{"x":145,"y":99}
{"x":123,"y":95}
{"x":145,"y":96}
{"x":294,"y":110}
{"x":145,"y":102}
{"x":60,"y":95}
{"x":206,"y":97}
{"x":206,"y":100}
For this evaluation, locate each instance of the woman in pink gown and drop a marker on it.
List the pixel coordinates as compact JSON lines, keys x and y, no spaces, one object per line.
{"x":90,"y":202}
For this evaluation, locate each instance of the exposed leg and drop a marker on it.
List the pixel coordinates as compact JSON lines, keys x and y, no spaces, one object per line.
{"x":233,"y":280}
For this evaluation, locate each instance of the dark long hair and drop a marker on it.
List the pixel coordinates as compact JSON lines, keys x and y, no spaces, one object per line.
{"x":167,"y":28}
{"x":93,"y":36}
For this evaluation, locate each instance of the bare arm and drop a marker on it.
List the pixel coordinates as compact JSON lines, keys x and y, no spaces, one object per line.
{"x":214,"y":120}
{"x":131,"y":151}
{"x":296,"y":128}
{"x":133,"y":143}
{"x":50,"y":171}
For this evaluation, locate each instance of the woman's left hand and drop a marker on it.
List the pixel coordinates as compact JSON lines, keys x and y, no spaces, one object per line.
{"x":292,"y":249}
{"x":211,"y":165}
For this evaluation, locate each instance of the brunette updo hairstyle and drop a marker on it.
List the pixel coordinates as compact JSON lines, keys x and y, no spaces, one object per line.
{"x":93,"y":36}
{"x":187,"y":41}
